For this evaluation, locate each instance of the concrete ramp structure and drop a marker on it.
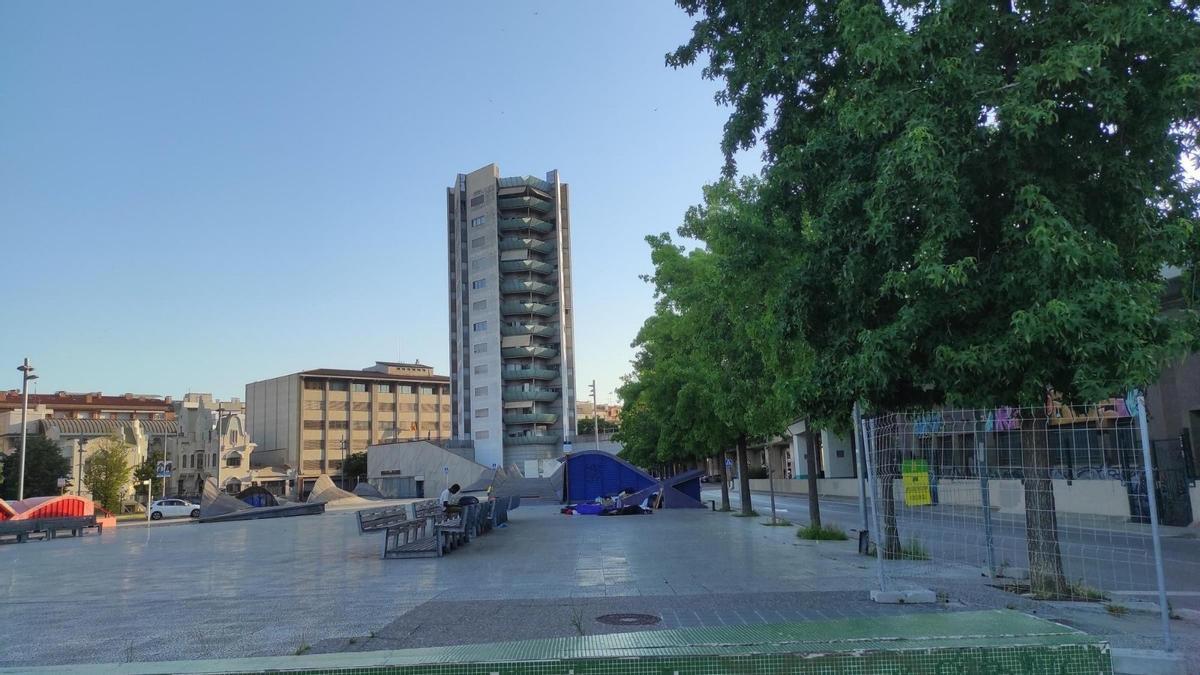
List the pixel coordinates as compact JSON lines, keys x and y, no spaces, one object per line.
{"x":216,"y":506}
{"x":682,"y":491}
{"x":325,"y":492}
{"x":214,"y":502}
{"x":367,"y":491}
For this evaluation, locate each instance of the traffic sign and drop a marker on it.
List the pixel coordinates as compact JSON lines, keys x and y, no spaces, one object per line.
{"x":728,"y":462}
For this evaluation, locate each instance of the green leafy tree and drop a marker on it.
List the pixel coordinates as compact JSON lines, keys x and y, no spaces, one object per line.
{"x":107,"y":472}
{"x":356,"y":466}
{"x":963,"y":204}
{"x":44,"y":465}
{"x":587,"y":424}
{"x":147,"y":470}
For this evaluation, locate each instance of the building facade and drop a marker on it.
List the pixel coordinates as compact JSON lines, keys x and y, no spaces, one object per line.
{"x":64,"y":405}
{"x":512,"y":344}
{"x":308,"y":422}
{"x":212,"y":443}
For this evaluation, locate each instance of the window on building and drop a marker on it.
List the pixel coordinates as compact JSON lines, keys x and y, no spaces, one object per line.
{"x":479,"y":283}
{"x":316,"y":385}
{"x":480,"y":391}
{"x":476,"y":222}
{"x":478,"y":242}
{"x":426,"y":390}
{"x":404,"y":389}
{"x":233,"y":462}
{"x":481,"y":369}
{"x":481,"y":435}
{"x":339,"y":385}
{"x":479,"y":348}
{"x":477,"y":200}
{"x":478,"y":305}
{"x":481,"y":412}
{"x":479,"y":326}
{"x":360,"y":387}
{"x":383,"y":388}
{"x":313,"y":425}
{"x":339,"y":424}
{"x":361,"y":425}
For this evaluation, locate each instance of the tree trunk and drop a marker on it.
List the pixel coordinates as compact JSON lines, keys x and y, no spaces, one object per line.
{"x":724,"y":481}
{"x":887,"y":468}
{"x":1041,"y":521}
{"x":744,"y":476}
{"x":810,"y":461}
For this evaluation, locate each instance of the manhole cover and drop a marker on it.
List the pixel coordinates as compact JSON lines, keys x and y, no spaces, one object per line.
{"x":629,"y":619}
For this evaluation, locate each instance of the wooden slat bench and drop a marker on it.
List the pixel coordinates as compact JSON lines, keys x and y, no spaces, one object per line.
{"x":373,"y":520}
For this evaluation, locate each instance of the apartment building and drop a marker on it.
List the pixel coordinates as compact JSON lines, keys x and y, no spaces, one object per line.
{"x":308,"y":422}
{"x":512,"y":345}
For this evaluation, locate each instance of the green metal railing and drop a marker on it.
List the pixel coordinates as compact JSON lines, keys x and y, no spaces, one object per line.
{"x":539,"y":205}
{"x":533,"y":439}
{"x":526,"y":286}
{"x":530,"y":352}
{"x":526,"y":265}
{"x":519,"y":243}
{"x":525,"y":328}
{"x":521,"y":224}
{"x":519,"y":394}
{"x":524,"y":308}
{"x":529,"y":374}
{"x":530,"y":418}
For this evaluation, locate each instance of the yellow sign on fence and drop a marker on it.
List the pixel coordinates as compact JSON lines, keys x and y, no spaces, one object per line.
{"x":916,"y":483}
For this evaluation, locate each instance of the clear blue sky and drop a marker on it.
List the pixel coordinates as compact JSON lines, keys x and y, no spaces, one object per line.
{"x":194,"y":196}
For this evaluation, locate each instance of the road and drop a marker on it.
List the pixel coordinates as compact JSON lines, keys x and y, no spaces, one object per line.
{"x":1118,"y":561}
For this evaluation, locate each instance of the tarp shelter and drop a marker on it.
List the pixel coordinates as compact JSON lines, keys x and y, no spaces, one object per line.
{"x":591,"y":473}
{"x":682,"y":491}
{"x":257,"y":495}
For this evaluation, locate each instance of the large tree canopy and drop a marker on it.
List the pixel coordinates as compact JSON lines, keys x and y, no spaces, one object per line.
{"x":963,"y":203}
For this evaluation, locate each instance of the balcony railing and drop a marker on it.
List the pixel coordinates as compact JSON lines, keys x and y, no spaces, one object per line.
{"x":520,"y":243}
{"x":526,"y":308}
{"x":530,"y":418}
{"x":519,"y":394}
{"x":525,"y":328}
{"x":533,"y":439}
{"x":529,"y":374}
{"x":539,"y":205}
{"x":534,"y":352}
{"x":524,"y":224}
{"x":526,"y":265}
{"x":526,"y":286}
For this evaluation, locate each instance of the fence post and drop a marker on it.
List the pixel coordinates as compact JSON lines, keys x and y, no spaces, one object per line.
{"x":985,"y":497}
{"x":868,"y":448}
{"x":1147,"y":467}
{"x":856,"y":416}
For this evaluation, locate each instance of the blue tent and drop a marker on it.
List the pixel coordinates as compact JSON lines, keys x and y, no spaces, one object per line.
{"x":593,"y":473}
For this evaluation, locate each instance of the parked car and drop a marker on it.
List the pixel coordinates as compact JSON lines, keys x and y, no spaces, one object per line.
{"x":173,"y":508}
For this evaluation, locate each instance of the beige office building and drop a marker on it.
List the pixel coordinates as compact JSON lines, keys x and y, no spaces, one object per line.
{"x":512,"y":344}
{"x":309,"y":421}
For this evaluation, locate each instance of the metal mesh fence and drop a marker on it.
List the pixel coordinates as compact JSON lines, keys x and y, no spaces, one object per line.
{"x":1051,"y":501}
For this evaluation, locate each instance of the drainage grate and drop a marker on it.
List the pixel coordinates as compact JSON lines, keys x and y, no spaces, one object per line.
{"x":629,"y":619}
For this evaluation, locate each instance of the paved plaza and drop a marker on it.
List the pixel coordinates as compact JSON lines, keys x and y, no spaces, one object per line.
{"x":312,"y":584}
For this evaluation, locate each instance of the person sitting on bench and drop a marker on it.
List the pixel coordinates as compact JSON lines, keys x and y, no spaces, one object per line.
{"x":449,"y":500}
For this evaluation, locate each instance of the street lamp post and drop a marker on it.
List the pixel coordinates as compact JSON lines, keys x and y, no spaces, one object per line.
{"x":26,"y":376}
{"x":79,"y":483}
{"x":343,"y":466}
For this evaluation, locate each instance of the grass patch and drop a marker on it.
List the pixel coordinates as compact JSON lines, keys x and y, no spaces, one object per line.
{"x":1115,"y":609}
{"x":751,"y":514}
{"x":302,"y":649}
{"x":1076,"y":592}
{"x":124,"y":517}
{"x":779,"y":522}
{"x":822,"y":533}
{"x":913,"y":550}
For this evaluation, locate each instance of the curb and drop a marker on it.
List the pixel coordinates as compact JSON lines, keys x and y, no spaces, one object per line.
{"x":1147,"y":662}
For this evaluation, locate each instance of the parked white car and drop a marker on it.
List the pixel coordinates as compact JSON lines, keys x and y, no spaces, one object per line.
{"x":173,"y":508}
